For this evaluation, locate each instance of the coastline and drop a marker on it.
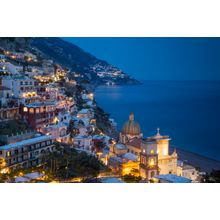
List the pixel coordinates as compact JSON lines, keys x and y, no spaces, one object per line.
{"x":205,"y":164}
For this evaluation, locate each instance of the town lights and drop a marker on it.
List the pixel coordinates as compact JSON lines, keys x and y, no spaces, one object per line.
{"x":56,"y":120}
{"x":91,"y":96}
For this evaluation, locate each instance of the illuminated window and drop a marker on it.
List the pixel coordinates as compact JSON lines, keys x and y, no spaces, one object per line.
{"x":25,"y":109}
{"x":152,"y":151}
{"x":164,"y":152}
{"x":8,"y":153}
{"x":151,"y":162}
{"x":31,"y":110}
{"x":37,"y":110}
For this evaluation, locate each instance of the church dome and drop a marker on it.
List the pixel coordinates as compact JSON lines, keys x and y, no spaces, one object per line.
{"x":131,"y":127}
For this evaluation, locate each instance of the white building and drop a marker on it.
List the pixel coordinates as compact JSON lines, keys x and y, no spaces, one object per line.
{"x":83,"y":142}
{"x":58,"y":131}
{"x":21,"y":86}
{"x":27,"y":152}
{"x":5,"y":95}
{"x":187,"y":171}
{"x":171,"y":178}
{"x":85,"y":113}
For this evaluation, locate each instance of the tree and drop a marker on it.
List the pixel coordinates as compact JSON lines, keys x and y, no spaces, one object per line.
{"x":128,"y":178}
{"x":213,"y":177}
{"x":66,"y":163}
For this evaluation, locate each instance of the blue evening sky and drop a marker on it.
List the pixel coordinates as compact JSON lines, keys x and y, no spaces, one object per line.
{"x":158,"y":58}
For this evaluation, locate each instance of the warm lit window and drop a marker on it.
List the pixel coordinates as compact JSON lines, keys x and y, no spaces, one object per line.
{"x":25,"y":109}
{"x":8,"y":153}
{"x":37,"y":110}
{"x":152,"y":151}
{"x":151,"y":162}
{"x":31,"y":110}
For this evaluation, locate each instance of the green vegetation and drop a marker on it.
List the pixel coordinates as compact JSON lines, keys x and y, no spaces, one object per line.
{"x":213,"y":177}
{"x":66,"y":163}
{"x":129,"y":178}
{"x":13,"y":127}
{"x":102,"y":120}
{"x":62,"y":165}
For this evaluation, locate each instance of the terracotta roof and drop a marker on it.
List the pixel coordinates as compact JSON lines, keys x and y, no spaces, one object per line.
{"x":136,"y":142}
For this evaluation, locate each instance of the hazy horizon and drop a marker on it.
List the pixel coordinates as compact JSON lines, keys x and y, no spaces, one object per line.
{"x":157,"y":58}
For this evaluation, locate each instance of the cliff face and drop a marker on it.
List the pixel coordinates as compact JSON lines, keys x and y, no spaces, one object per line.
{"x":77,"y":60}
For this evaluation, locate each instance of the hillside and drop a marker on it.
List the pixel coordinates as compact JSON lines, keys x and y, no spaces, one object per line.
{"x":80,"y":62}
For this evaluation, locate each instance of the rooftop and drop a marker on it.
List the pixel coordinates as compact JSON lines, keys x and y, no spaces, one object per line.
{"x":171,"y":178}
{"x":130,"y":156}
{"x":27,"y":142}
{"x":136,"y":142}
{"x":120,"y":146}
{"x":83,"y":111}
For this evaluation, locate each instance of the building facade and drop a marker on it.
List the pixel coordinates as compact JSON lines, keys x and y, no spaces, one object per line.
{"x":27,"y":152}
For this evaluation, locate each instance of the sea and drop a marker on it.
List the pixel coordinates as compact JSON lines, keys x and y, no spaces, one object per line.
{"x":187,"y":111}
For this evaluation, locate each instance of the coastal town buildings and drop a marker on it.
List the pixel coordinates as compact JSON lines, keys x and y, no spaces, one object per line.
{"x":38,"y":114}
{"x":9,"y":113}
{"x":25,"y":150}
{"x":152,"y":153}
{"x":42,"y":98}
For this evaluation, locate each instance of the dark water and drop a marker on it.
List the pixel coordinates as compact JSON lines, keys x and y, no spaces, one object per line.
{"x":187,"y":111}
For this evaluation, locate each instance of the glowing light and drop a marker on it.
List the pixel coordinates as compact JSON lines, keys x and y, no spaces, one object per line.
{"x":151,"y":163}
{"x":152,"y":151}
{"x":56,"y":120}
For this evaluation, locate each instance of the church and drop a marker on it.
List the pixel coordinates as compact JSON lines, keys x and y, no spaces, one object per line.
{"x":152,"y":152}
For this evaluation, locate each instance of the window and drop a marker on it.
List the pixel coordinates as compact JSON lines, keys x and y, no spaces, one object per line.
{"x":152,"y":151}
{"x":8,"y":153}
{"x":31,"y":110}
{"x":151,"y":162}
{"x":25,"y":109}
{"x":21,"y":83}
{"x":0,"y":152}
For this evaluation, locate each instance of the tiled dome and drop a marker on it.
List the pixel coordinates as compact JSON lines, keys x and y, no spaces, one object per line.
{"x":131,"y":127}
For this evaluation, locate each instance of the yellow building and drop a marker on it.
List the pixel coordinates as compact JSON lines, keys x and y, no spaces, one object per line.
{"x":167,"y":163}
